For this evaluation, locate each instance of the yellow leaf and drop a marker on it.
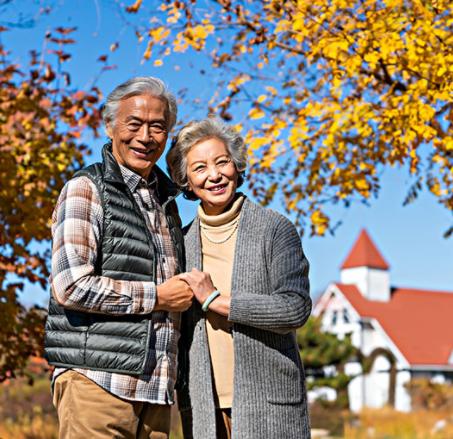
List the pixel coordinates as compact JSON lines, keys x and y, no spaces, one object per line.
{"x":271,"y":90}
{"x":436,"y":189}
{"x":257,"y":142}
{"x":448,"y":143}
{"x":361,"y":184}
{"x":237,"y":81}
{"x":256,"y":113}
{"x":441,"y":71}
{"x":148,"y":51}
{"x":201,"y":32}
{"x":159,"y":34}
{"x":319,"y":222}
{"x":135,"y":7}
{"x":173,"y":15}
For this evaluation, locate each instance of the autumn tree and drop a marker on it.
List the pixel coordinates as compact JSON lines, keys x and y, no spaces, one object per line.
{"x":334,"y":91}
{"x":41,"y":122}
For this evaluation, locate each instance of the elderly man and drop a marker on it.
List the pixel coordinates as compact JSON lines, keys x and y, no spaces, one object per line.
{"x":113,"y":322}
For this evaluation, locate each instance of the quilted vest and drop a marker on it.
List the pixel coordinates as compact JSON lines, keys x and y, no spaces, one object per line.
{"x":103,"y":342}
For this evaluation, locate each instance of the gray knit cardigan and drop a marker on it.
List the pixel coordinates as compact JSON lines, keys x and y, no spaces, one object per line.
{"x":269,"y":300}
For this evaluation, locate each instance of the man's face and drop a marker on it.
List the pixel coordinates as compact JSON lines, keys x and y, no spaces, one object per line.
{"x":139,"y":133}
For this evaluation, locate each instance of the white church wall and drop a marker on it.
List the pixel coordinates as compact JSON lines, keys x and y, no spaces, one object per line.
{"x":355,"y":388}
{"x":377,"y":384}
{"x":402,"y":397}
{"x":374,"y":284}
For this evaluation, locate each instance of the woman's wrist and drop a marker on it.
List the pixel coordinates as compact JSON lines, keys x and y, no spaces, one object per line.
{"x":209,"y":299}
{"x":221,"y":306}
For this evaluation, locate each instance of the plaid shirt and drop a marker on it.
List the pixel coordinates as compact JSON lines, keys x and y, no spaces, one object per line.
{"x":77,"y":224}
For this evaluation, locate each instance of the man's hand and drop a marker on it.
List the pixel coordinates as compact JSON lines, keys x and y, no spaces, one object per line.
{"x":200,"y":282}
{"x":173,"y":295}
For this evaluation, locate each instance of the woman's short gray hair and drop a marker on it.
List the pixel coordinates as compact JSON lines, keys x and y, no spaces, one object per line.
{"x":139,"y":86}
{"x":196,"y":132}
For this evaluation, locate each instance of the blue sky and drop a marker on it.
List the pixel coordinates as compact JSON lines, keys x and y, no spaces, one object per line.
{"x":410,"y":238}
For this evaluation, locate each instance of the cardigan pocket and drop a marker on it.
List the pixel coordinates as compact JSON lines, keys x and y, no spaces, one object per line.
{"x":284,"y":377}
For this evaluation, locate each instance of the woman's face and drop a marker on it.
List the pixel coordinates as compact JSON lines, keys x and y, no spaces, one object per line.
{"x":212,"y":175}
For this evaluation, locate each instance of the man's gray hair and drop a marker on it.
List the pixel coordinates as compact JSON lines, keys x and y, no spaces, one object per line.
{"x":139,"y":86}
{"x":196,"y":132}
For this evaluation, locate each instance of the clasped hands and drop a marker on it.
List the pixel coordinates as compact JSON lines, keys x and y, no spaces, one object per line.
{"x":199,"y":282}
{"x":176,"y":294}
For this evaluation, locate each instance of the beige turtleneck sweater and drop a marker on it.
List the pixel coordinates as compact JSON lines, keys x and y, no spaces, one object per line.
{"x":217,"y":260}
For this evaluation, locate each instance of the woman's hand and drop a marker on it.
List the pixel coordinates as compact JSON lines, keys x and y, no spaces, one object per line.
{"x":200,"y":283}
{"x":202,"y":286}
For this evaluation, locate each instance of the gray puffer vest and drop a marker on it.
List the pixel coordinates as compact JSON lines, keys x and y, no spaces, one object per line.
{"x":99,"y":341}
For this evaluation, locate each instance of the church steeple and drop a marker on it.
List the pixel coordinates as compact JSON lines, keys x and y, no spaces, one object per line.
{"x":367,"y":269}
{"x":364,"y":253}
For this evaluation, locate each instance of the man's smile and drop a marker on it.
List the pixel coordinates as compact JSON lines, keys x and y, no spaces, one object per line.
{"x":143,"y":152}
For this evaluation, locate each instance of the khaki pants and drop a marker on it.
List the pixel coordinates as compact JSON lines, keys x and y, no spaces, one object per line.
{"x":86,"y":411}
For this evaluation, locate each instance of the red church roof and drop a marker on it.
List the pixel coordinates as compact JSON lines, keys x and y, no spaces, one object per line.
{"x":418,"y":322}
{"x":364,"y":253}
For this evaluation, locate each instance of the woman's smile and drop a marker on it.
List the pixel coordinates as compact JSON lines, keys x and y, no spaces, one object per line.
{"x":218,"y":189}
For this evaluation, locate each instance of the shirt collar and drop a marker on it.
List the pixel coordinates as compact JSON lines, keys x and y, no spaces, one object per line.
{"x":133,"y":180}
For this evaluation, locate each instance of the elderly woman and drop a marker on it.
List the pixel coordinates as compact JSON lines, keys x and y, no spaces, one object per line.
{"x":240,"y":371}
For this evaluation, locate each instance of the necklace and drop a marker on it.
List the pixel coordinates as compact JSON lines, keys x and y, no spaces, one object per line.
{"x":203,"y":230}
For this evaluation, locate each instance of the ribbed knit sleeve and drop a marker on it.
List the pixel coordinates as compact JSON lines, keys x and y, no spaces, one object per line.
{"x":289,"y":304}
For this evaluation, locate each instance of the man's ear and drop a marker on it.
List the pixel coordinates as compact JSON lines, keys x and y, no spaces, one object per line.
{"x":109,"y":130}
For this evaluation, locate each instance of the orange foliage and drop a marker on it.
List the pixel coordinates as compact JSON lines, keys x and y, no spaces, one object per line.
{"x":41,"y":122}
